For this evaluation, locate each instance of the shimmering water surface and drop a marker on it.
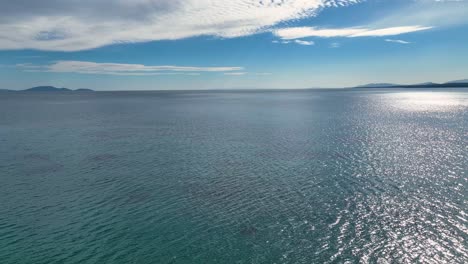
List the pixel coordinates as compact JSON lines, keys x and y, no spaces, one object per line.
{"x":234,"y":177}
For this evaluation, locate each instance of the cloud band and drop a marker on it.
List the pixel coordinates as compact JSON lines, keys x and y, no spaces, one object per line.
{"x":86,"y":67}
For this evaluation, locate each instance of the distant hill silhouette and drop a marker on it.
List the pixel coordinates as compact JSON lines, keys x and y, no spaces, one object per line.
{"x":451,"y":84}
{"x":48,"y":89}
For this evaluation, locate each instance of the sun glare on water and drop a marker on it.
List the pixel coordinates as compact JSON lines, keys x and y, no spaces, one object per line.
{"x":427,"y":101}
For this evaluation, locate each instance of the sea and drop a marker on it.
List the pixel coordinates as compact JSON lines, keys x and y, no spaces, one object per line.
{"x":234,"y":176}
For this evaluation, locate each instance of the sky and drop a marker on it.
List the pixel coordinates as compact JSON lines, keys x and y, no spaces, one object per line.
{"x":230,"y":44}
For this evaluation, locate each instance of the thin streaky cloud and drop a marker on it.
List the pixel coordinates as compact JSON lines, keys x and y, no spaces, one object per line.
{"x":304,"y":42}
{"x":296,"y":41}
{"x":87,"y":67}
{"x":303,"y":32}
{"x":391,"y":31}
{"x":397,"y":41}
{"x":281,"y":41}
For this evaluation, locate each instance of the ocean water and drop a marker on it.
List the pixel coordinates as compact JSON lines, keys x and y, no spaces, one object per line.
{"x":324,"y":176}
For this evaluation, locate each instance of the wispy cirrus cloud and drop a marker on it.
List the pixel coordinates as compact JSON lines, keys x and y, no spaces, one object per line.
{"x":399,"y":41}
{"x":235,"y":73}
{"x":304,"y":42}
{"x":296,"y":41}
{"x":74,"y":25}
{"x":86,"y":67}
{"x":85,"y":24}
{"x":439,"y":13}
{"x":415,"y":16}
{"x":303,"y":32}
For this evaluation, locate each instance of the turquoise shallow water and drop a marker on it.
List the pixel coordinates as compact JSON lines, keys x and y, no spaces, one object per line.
{"x":234,"y":177}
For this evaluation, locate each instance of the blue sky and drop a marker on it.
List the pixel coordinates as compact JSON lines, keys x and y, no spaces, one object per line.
{"x":221,"y":44}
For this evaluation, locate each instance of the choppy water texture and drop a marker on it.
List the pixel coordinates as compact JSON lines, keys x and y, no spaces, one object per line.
{"x":234,"y":177}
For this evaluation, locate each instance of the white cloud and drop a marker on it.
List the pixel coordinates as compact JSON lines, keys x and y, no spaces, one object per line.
{"x":303,"y":32}
{"x":85,"y":24}
{"x":297,"y":41}
{"x":414,"y":16}
{"x":235,"y":73}
{"x":281,"y":41}
{"x":397,"y":41}
{"x":71,"y":25}
{"x":86,"y":67}
{"x":304,"y":42}
{"x":391,"y":31}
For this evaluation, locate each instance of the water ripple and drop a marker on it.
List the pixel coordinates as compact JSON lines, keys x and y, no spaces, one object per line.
{"x":235,"y":177}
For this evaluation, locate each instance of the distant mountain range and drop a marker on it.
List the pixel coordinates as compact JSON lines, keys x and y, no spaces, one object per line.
{"x":451,"y":84}
{"x":47,"y":89}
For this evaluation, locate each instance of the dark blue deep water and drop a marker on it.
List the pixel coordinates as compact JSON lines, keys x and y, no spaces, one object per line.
{"x":325,"y":176}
